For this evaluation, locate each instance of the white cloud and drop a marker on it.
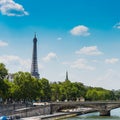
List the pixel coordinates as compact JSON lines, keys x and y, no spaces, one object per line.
{"x":6,"y":58}
{"x":91,"y":50}
{"x":109,"y":80}
{"x":81,"y":64}
{"x":95,"y":61}
{"x":66,"y":63}
{"x":59,"y":38}
{"x":80,"y":30}
{"x":40,"y":66}
{"x":2,"y":44}
{"x":112,"y":60}
{"x":15,"y":63}
{"x":50,"y":56}
{"x":117,"y":25}
{"x":11,"y":8}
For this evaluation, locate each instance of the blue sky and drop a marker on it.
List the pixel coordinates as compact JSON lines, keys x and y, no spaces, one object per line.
{"x":80,"y":36}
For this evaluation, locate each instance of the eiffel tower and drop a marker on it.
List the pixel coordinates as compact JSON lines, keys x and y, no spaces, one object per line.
{"x":34,"y":66}
{"x":66,"y":76}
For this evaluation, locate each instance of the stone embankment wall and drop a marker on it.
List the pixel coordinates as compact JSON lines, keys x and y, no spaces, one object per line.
{"x":33,"y":111}
{"x":58,"y":117}
{"x":23,"y":110}
{"x":7,"y":109}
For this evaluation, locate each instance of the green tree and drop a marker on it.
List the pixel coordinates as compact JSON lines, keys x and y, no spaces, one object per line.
{"x":26,"y":86}
{"x":3,"y":71}
{"x":45,"y":90}
{"x":7,"y":92}
{"x":3,"y":85}
{"x":65,"y":90}
{"x":116,"y":94}
{"x":99,"y":94}
{"x":55,"y":91}
{"x":81,"y":89}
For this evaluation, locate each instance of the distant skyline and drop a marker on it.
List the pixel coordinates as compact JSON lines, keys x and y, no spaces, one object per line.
{"x":78,"y":36}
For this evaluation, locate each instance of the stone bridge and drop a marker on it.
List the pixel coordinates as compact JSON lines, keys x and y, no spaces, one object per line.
{"x":103,"y":107}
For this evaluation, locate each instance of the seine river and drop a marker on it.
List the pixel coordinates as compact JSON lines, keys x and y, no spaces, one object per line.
{"x":115,"y":115}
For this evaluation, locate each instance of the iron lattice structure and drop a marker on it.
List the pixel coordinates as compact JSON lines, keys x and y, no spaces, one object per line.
{"x":34,"y":66}
{"x":66,"y":76}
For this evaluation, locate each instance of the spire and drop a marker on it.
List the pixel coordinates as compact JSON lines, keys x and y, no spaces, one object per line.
{"x":35,"y":38}
{"x":66,"y":76}
{"x":35,"y":35}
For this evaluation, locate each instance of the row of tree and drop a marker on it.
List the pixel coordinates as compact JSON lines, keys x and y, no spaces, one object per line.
{"x":24,"y":88}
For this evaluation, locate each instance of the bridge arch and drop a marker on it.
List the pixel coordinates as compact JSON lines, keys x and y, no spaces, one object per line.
{"x":104,"y":107}
{"x":66,"y":107}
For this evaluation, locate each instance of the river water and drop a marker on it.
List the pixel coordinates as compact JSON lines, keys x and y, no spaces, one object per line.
{"x":115,"y":115}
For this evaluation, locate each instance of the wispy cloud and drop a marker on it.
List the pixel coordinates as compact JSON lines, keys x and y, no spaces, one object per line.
{"x":2,"y":44}
{"x":91,"y":50}
{"x":59,"y":38}
{"x":11,"y":8}
{"x":66,"y":63}
{"x":81,"y":64}
{"x":109,"y":76}
{"x":15,"y":63}
{"x":80,"y":30}
{"x":117,"y":25}
{"x":111,"y":60}
{"x":50,"y":56}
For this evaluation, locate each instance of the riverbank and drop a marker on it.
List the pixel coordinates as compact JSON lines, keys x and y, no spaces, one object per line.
{"x":55,"y":116}
{"x":58,"y":116}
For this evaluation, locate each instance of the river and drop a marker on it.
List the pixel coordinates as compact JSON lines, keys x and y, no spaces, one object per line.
{"x":115,"y":115}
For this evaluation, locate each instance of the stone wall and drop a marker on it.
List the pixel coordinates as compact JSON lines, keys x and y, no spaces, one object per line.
{"x":6,"y":109}
{"x":33,"y":111}
{"x":23,"y":110}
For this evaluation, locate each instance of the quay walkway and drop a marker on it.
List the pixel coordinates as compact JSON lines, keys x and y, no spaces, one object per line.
{"x":61,"y":115}
{"x":54,"y":116}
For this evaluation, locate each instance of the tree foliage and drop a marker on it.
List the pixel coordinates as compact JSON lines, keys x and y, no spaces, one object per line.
{"x":3,"y":71}
{"x":25,"y":88}
{"x":45,"y":90}
{"x":3,"y":85}
{"x":99,"y":94}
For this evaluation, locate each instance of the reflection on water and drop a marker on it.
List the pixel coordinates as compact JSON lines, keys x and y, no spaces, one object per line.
{"x":115,"y":115}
